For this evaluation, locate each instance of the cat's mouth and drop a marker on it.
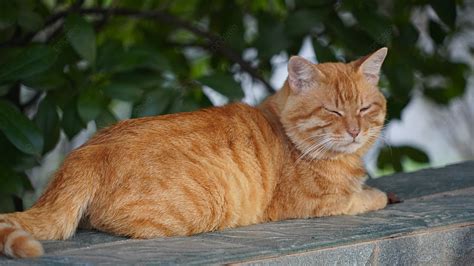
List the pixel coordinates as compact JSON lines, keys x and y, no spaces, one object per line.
{"x":348,"y":147}
{"x":354,"y":142}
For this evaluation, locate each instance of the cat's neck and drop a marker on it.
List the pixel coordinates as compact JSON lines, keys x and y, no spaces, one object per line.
{"x":274,"y":104}
{"x":272,"y":108}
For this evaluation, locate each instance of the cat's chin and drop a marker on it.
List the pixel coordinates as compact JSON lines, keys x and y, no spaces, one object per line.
{"x":327,"y":155}
{"x":334,"y":151}
{"x":349,"y":148}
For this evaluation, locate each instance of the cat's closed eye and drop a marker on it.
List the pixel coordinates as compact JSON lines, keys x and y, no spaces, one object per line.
{"x":364,"y":109}
{"x":338,"y":113}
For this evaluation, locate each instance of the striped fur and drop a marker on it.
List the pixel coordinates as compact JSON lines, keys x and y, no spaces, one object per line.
{"x":217,"y":168}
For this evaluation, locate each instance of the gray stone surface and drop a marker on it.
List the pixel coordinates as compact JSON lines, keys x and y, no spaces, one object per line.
{"x":445,"y":246}
{"x":428,"y":181}
{"x":433,"y":226}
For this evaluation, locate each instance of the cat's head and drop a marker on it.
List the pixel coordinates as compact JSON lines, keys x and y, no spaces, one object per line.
{"x":334,"y":108}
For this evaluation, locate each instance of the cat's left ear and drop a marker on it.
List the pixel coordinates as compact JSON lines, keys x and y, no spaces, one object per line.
{"x":302,"y":75}
{"x":370,"y":65}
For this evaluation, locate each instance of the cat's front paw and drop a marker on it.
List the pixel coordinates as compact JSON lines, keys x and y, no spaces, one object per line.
{"x":378,"y":199}
{"x":366,"y":200}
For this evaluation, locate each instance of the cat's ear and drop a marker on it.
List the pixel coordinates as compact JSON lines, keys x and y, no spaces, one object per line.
{"x":370,"y":65}
{"x":302,"y":75}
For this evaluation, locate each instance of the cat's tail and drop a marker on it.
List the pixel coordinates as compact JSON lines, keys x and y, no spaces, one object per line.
{"x":56,"y":215}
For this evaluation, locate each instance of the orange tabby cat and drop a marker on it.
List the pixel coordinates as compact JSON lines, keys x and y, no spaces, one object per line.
{"x":297,"y":155}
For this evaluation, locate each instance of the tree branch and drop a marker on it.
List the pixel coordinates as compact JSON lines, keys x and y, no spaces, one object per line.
{"x":214,"y":42}
{"x":48,"y":22}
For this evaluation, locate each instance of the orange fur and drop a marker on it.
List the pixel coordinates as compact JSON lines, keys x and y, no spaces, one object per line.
{"x":187,"y":173}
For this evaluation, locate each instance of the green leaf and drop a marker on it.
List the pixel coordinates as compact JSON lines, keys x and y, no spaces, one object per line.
{"x":300,"y":4}
{"x":436,"y":32}
{"x":234,"y":37}
{"x":183,"y":104}
{"x":71,"y":121}
{"x":4,"y":90}
{"x":389,"y":157}
{"x":8,"y":12}
{"x":376,"y":26}
{"x":415,"y":154}
{"x":443,"y":95}
{"x":271,"y":37}
{"x":49,"y":80}
{"x":123,"y":91}
{"x":47,"y":120}
{"x":153,"y":103}
{"x":446,"y":10}
{"x":11,"y":182}
{"x":323,"y":53}
{"x":105,"y":119}
{"x":355,"y":41}
{"x":223,"y":83}
{"x":81,"y":35}
{"x":29,"y":20}
{"x":6,"y":202}
{"x":26,"y":63}
{"x":19,"y":130}
{"x":91,"y":103}
{"x":12,"y":157}
{"x":393,"y":157}
{"x":303,"y":21}
{"x":142,"y":79}
{"x":407,"y":33}
{"x":113,"y":58}
{"x":6,"y":33}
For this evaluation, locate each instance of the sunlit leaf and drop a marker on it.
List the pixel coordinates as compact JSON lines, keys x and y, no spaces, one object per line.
{"x":392,"y":157}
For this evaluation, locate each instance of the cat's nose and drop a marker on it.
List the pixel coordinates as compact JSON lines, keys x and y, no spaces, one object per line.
{"x":354,"y":132}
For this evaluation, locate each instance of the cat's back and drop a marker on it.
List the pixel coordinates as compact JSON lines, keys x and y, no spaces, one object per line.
{"x":215,"y":122}
{"x":235,"y":138}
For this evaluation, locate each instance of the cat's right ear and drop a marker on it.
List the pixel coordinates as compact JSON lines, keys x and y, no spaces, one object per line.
{"x":370,"y":65}
{"x":302,"y":75}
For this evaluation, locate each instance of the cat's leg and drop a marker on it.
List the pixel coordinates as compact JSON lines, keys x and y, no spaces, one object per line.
{"x":149,"y":220}
{"x":367,"y":199}
{"x":179,"y":210}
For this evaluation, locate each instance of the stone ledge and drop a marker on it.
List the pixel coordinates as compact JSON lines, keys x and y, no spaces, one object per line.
{"x":434,"y":225}
{"x":444,"y":245}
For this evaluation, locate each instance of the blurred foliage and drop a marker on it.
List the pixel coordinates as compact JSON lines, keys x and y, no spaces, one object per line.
{"x":79,"y":57}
